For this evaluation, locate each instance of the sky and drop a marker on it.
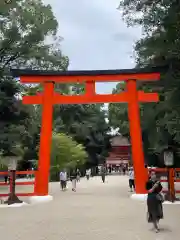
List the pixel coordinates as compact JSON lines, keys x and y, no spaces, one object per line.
{"x":95,"y":36}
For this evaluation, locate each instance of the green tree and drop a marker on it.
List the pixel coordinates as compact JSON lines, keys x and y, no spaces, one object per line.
{"x":86,"y":124}
{"x":159,"y":46}
{"x":118,"y":112}
{"x":65,"y":153}
{"x":24,"y":44}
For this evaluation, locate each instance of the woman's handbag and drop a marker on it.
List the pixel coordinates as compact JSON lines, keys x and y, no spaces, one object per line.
{"x":160,"y":197}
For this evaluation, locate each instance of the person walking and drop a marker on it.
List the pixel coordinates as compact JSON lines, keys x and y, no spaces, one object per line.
{"x":73,"y":177}
{"x":63,"y":179}
{"x":6,"y":179}
{"x":103,"y":173}
{"x":124,"y":170}
{"x":131,"y":179}
{"x":88,"y":173}
{"x":154,"y":201}
{"x":78,"y":175}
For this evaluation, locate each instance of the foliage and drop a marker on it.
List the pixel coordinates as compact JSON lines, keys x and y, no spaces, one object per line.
{"x":66,"y":153}
{"x":3,"y":167}
{"x":24,"y":44}
{"x":118,"y":113}
{"x":86,"y":124}
{"x":28,"y":41}
{"x":159,"y":46}
{"x":23,"y":36}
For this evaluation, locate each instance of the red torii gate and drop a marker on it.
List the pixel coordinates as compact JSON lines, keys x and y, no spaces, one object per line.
{"x":49,"y":97}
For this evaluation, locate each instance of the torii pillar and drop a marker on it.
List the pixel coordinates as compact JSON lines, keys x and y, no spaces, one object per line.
{"x":141,"y":173}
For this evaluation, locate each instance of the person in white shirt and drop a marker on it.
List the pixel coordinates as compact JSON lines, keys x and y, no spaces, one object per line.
{"x":78,"y":175}
{"x":131,"y":179}
{"x":88,"y":173}
{"x":63,"y":179}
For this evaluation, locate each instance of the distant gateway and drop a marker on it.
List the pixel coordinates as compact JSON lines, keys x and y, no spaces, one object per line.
{"x":120,"y":151}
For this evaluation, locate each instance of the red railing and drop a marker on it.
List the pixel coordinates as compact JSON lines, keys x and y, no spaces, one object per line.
{"x":24,"y":183}
{"x":173,"y":179}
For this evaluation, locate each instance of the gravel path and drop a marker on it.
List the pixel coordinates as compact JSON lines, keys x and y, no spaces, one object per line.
{"x":96,"y":211}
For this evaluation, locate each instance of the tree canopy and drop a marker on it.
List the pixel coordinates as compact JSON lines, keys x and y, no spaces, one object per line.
{"x":29,"y":39}
{"x":159,"y":45}
{"x":66,"y":152}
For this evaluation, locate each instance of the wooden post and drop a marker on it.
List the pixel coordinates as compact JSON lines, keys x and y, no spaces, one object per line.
{"x":10,"y":181}
{"x":42,"y":177}
{"x":171,"y":184}
{"x":90,"y":88}
{"x":141,"y":173}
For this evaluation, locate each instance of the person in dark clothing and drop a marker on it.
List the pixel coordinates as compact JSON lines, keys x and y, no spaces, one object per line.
{"x":154,"y":201}
{"x":124,"y":170}
{"x":73,"y":178}
{"x":103,"y":173}
{"x":6,"y":179}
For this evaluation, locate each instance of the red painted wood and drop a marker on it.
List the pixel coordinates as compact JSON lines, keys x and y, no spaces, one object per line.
{"x":17,"y":183}
{"x":26,"y":172}
{"x":162,"y":170}
{"x":166,"y":191}
{"x":158,"y":170}
{"x":4,"y":173}
{"x":140,"y":172}
{"x":163,"y":180}
{"x":132,"y":96}
{"x":25,"y":183}
{"x":4,"y":184}
{"x":147,"y":97}
{"x":25,"y":194}
{"x":42,"y":176}
{"x":18,"y":194}
{"x":90,"y":98}
{"x":19,"y":172}
{"x":4,"y":194}
{"x":83,"y":79}
{"x":90,"y":89}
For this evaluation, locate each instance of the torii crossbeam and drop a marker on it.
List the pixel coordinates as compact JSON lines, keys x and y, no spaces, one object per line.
{"x":49,"y":97}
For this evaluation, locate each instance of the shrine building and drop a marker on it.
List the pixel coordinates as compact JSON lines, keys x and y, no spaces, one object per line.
{"x":120,"y":152}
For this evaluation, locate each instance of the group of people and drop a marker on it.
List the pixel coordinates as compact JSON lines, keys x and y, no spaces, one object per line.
{"x":75,"y":176}
{"x":122,"y":169}
{"x":153,"y":186}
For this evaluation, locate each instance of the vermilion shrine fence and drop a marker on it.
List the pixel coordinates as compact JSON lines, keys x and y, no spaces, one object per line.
{"x":49,"y":97}
{"x":23,"y":183}
{"x":172,"y":178}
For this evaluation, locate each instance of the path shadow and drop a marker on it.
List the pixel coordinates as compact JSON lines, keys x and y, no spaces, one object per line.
{"x":165,"y":229}
{"x":162,"y":229}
